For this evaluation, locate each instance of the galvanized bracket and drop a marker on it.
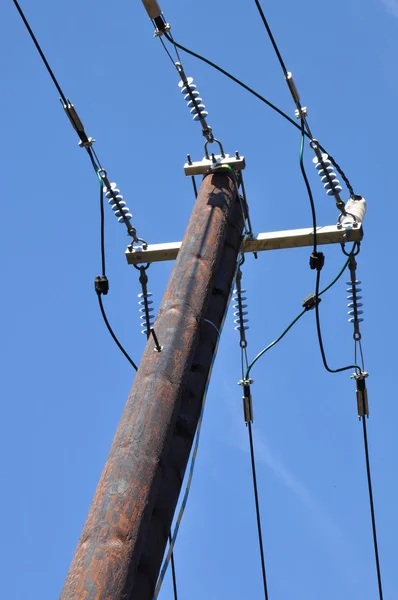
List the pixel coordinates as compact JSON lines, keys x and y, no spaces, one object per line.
{"x":201,"y":167}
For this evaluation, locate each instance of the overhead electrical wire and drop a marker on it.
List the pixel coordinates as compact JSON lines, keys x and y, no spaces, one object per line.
{"x":360,"y":371}
{"x":297,"y":318}
{"x":105,"y":280}
{"x":307,"y":185}
{"x":241,"y":326}
{"x":262,"y":99}
{"x":372,"y":509}
{"x":101,"y":284}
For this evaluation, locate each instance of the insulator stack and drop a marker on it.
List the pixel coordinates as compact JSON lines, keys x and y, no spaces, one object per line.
{"x":355,"y":211}
{"x":327,"y":174}
{"x":240,"y":312}
{"x":115,"y":200}
{"x":354,"y":306}
{"x":147,"y":318}
{"x":192,"y":98}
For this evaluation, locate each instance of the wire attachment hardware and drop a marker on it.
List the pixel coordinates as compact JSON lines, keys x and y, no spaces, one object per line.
{"x":247,"y":400}
{"x":156,"y":16}
{"x":85,"y":141}
{"x":311,"y":301}
{"x":101,"y":285}
{"x":355,"y":211}
{"x":210,"y":161}
{"x":317,"y":260}
{"x":362,"y":394}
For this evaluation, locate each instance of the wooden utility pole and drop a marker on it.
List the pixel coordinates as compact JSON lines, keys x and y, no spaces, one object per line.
{"x":123,"y":541}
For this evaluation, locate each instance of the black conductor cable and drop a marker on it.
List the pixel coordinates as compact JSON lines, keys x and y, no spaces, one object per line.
{"x":36,"y":43}
{"x":372,"y":509}
{"x":263,"y":99}
{"x":101,"y":283}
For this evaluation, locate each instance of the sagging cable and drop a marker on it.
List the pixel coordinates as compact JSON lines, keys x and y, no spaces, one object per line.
{"x":241,"y":321}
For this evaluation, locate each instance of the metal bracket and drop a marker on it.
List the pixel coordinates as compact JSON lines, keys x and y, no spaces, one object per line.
{"x":237,"y":163}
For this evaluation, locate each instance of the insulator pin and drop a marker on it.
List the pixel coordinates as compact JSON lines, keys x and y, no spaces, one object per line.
{"x":327,"y":174}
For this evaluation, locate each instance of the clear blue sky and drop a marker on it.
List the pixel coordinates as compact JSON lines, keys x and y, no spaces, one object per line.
{"x":64,"y":383}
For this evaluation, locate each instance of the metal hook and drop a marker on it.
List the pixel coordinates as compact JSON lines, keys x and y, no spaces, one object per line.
{"x":210,"y":141}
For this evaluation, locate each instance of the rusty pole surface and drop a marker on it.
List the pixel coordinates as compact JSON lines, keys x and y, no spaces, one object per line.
{"x":120,"y":550}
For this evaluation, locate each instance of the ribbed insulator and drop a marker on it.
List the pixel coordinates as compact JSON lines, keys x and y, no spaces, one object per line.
{"x":331,"y":183}
{"x":354,"y":305}
{"x":192,"y":98}
{"x":114,"y":198}
{"x":240,"y":311}
{"x":355,"y":207}
{"x":145,"y":304}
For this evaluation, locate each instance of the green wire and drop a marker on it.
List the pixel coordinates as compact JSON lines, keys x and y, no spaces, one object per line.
{"x":272,"y":344}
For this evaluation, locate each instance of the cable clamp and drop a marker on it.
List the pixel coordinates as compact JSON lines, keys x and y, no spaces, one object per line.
{"x":88,"y":143}
{"x":245,"y":382}
{"x":301,"y":113}
{"x":360,"y":375}
{"x":317,"y":260}
{"x":362,"y":393}
{"x":101,"y":285}
{"x":311,"y":301}
{"x":247,"y":400}
{"x":85,"y":142}
{"x":161,"y":27}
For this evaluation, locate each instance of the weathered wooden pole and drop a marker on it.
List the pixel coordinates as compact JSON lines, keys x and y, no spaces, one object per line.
{"x":123,"y":541}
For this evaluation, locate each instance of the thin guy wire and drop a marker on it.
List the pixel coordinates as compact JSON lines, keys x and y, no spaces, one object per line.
{"x":260,"y":537}
{"x":265,"y":101}
{"x":372,"y":510}
{"x":166,"y":50}
{"x":361,"y":354}
{"x":175,"y":46}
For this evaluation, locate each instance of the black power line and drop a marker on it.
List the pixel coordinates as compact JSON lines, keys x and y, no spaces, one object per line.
{"x":271,"y":37}
{"x":260,"y":536}
{"x":372,"y":510}
{"x":40,"y":51}
{"x":101,"y":283}
{"x":263,"y":99}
